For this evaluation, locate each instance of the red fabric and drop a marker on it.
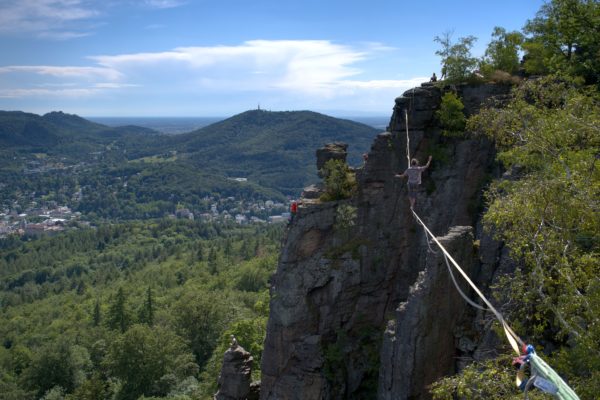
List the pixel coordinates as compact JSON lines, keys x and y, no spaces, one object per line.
{"x":294,"y":207}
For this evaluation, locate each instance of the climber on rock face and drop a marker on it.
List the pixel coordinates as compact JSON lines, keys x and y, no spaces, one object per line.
{"x":414,"y":178}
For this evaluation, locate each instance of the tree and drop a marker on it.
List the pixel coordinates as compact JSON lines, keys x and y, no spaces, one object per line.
{"x":457,"y":62}
{"x":491,"y":380}
{"x":11,"y":390}
{"x":96,"y":316}
{"x":451,"y":115}
{"x":502,"y":52}
{"x":118,"y":315}
{"x":253,"y":276}
{"x":201,"y":318}
{"x":20,"y":358}
{"x":200,"y":252}
{"x":564,"y":38}
{"x":547,"y":214}
{"x":57,"y":364}
{"x":56,"y":393}
{"x":213,"y":264}
{"x":340,"y":181}
{"x":143,"y":358}
{"x":94,"y":388}
{"x":147,"y":311}
{"x":250,"y":334}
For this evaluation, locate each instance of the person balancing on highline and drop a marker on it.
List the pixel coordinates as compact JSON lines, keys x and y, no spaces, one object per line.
{"x":414,"y":178}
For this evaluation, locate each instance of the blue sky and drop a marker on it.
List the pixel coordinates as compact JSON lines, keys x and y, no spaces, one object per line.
{"x":219,"y":58}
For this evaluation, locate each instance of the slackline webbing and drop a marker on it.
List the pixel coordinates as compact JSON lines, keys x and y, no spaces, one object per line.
{"x":538,"y":366}
{"x":514,"y":340}
{"x":407,"y":139}
{"x":457,"y":286}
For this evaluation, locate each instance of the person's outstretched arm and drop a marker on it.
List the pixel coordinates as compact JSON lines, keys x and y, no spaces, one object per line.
{"x":428,"y":162}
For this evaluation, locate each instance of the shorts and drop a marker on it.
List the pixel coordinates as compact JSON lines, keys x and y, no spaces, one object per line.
{"x":413,"y":188}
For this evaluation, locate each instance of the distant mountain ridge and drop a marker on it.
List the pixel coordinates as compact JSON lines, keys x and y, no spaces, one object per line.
{"x":31,"y":131}
{"x":275,"y":149}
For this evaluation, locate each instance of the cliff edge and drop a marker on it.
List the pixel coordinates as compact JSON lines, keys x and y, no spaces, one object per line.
{"x":360,"y":306}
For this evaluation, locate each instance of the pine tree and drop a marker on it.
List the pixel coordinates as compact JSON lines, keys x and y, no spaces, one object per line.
{"x":97,"y":317}
{"x":228,"y":248}
{"x":147,"y":310}
{"x":212,"y":261}
{"x":200,"y":252}
{"x":118,"y":317}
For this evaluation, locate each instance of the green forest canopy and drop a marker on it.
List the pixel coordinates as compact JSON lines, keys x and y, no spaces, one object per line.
{"x":143,"y":308}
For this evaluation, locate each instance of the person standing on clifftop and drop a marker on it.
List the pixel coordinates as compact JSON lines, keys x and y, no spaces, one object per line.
{"x":414,"y":178}
{"x":293,"y":210}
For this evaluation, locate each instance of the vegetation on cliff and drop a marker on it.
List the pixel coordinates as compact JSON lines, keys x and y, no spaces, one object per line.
{"x":562,"y":39}
{"x":549,"y":137}
{"x":340,"y":181}
{"x":546,"y":209}
{"x":451,"y":115}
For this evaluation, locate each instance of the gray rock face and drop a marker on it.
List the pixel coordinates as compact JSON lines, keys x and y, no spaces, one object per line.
{"x":312,"y":192}
{"x":235,"y":377}
{"x":424,"y":331}
{"x":331,"y":151}
{"x":353,"y":297}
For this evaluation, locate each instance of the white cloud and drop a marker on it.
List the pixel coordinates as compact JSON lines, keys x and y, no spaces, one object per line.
{"x":299,"y":65}
{"x":39,"y":81}
{"x":113,"y":85}
{"x":66,"y":19}
{"x":164,"y":3}
{"x":62,"y":35}
{"x":55,"y":19}
{"x":41,"y":92}
{"x":64,"y":72}
{"x":383,"y":84}
{"x":300,"y":73}
{"x":155,"y":27}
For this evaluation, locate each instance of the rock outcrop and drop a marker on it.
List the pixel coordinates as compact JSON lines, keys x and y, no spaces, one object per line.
{"x":359,"y":305}
{"x":236,"y":374}
{"x":331,"y":151}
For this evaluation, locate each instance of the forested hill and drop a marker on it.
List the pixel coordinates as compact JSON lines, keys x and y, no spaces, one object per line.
{"x":63,"y":134}
{"x":275,"y":149}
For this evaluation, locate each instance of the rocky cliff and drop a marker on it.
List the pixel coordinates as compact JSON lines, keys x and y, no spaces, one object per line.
{"x":360,"y":306}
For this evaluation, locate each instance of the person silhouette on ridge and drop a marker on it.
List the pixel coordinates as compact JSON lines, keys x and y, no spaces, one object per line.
{"x":413,"y":172}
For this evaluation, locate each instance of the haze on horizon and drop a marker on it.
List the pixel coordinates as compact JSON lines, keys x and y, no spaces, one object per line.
{"x":200,"y":58}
